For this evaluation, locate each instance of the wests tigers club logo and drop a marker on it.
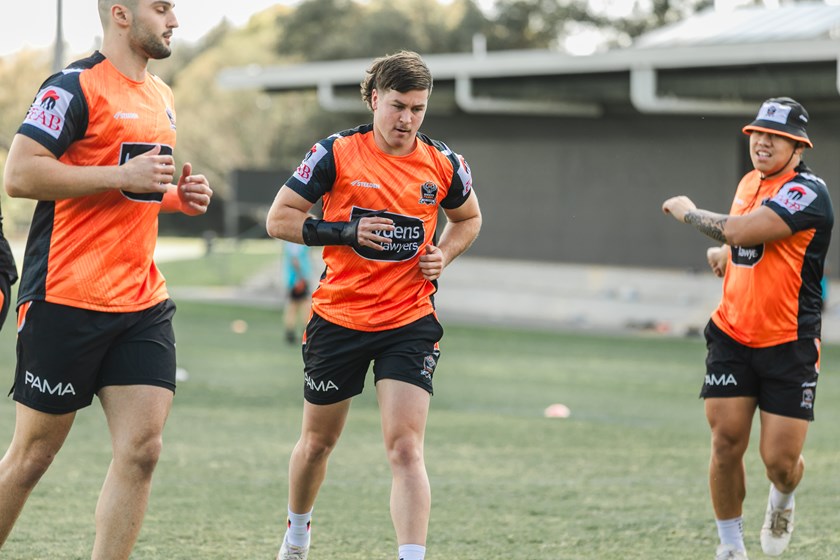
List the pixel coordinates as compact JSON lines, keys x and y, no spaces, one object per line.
{"x":428,"y":193}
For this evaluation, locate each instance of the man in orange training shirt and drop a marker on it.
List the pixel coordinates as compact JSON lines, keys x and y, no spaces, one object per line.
{"x":381,"y":186}
{"x":764,"y":338}
{"x":94,"y":315}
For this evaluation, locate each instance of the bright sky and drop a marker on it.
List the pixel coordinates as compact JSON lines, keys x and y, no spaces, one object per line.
{"x":32,"y":23}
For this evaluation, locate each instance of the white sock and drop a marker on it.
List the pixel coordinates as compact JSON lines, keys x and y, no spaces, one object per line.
{"x":297,"y":533}
{"x":412,"y":552}
{"x":779,"y":500}
{"x":731,"y":531}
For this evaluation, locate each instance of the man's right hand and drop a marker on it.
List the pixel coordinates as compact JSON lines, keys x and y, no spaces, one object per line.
{"x":678,"y":207}
{"x":149,"y":172}
{"x":368,"y":232}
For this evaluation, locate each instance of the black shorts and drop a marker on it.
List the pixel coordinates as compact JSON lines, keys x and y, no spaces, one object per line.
{"x":66,"y":354}
{"x":783,"y":378}
{"x":336,"y":359}
{"x":5,"y":298}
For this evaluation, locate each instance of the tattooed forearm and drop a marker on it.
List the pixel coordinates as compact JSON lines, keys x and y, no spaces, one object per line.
{"x":708,"y":223}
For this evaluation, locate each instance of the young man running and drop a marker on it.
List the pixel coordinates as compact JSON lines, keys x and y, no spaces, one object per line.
{"x":381,"y":185}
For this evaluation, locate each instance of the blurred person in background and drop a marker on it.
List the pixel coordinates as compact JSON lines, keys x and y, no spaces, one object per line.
{"x":297,"y":269}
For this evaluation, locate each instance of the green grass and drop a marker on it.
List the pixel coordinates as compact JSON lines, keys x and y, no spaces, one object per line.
{"x":623,"y":478}
{"x":227,"y":264}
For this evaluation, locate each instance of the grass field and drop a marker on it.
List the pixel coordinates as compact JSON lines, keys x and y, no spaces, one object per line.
{"x":622,"y":478}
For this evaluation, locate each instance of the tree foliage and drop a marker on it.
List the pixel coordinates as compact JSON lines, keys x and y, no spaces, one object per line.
{"x":20,"y":75}
{"x":342,"y":29}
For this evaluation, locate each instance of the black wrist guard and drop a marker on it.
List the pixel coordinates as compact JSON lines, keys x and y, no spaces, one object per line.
{"x":320,"y":232}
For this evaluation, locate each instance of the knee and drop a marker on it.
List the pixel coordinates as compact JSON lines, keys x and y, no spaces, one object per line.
{"x":31,"y":464}
{"x":728,"y":449}
{"x":784,"y":471}
{"x":405,"y":452}
{"x":141,"y":456}
{"x":315,"y":449}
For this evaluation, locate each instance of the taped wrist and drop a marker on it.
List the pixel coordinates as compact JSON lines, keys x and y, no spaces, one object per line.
{"x":321,"y":232}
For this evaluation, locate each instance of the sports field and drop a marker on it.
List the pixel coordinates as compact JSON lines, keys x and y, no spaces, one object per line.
{"x":622,"y":478}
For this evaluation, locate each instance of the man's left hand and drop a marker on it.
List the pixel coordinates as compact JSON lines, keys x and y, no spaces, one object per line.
{"x":194,"y":192}
{"x":431,"y":263}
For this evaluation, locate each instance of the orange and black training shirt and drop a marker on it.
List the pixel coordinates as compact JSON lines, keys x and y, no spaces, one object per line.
{"x":96,"y":252}
{"x":365,"y":289}
{"x":772,"y":293}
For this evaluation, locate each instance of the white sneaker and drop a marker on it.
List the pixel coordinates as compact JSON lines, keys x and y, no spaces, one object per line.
{"x":729,"y":552}
{"x":777,"y":528}
{"x":292,"y":552}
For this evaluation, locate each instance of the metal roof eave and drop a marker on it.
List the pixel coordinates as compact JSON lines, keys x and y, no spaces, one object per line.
{"x":642,"y":63}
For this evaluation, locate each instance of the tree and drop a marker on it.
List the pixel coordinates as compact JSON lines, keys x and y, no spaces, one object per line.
{"x":320,"y":30}
{"x":20,"y":75}
{"x":520,"y":24}
{"x":343,"y":29}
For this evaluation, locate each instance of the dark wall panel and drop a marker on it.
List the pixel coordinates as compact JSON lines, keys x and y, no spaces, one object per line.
{"x":590,"y":190}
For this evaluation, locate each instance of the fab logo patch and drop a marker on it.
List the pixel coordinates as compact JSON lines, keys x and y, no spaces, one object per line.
{"x":304,"y":171}
{"x":795,"y":197}
{"x":49,"y":110}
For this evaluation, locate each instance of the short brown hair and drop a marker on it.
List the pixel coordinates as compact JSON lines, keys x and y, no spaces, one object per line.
{"x":105,"y":9}
{"x":404,"y":71}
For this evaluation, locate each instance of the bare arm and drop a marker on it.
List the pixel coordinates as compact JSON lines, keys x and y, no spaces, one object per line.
{"x":461,"y":230}
{"x":759,"y":226}
{"x":32,"y":171}
{"x":286,"y":215}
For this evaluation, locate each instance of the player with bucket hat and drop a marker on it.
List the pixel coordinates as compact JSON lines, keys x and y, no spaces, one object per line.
{"x":782,"y":116}
{"x":764,"y":338}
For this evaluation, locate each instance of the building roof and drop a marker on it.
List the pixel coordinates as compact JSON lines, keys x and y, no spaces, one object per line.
{"x":710,"y":64}
{"x":804,"y":21}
